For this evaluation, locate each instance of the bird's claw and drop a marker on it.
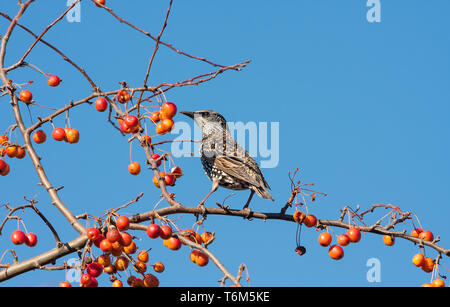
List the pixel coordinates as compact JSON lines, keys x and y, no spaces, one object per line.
{"x":247,"y":213}
{"x":202,"y":207}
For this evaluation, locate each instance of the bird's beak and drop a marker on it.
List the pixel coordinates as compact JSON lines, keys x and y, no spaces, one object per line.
{"x":189,"y":114}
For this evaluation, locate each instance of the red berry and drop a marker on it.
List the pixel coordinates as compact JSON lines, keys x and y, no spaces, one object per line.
{"x":93,"y":284}
{"x":59,"y":134}
{"x":166,"y":232}
{"x":153,"y":231}
{"x":101,"y":104}
{"x":2,"y":165}
{"x":97,"y":2}
{"x":124,"y":127}
{"x":26,"y":96}
{"x":65,"y":284}
{"x":18,"y":237}
{"x":177,"y":172}
{"x":354,"y":234}
{"x":31,"y":240}
{"x":94,"y":269}
{"x":131,"y":121}
{"x":325,"y":239}
{"x":336,"y":252}
{"x":426,"y":235}
{"x":173,"y":243}
{"x":20,"y":153}
{"x":85,"y":279}
{"x":416,"y":232}
{"x":310,"y":221}
{"x":168,"y":110}
{"x":106,"y":246}
{"x":148,"y":139}
{"x":343,"y":240}
{"x":5,"y":171}
{"x":54,"y":81}
{"x":93,"y":233}
{"x":113,"y":235}
{"x":156,"y":157}
{"x":39,"y":137}
{"x":169,"y":179}
{"x":154,"y":117}
{"x":123,"y":223}
{"x":99,"y":240}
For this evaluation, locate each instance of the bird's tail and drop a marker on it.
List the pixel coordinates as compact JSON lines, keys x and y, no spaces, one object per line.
{"x":263,"y":192}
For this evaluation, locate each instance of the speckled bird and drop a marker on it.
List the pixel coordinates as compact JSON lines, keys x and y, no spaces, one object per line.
{"x":224,"y":161}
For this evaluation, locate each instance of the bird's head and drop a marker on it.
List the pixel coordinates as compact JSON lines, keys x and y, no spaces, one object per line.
{"x":208,"y":120}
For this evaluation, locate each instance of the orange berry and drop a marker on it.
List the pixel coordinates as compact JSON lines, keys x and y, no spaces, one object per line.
{"x":72,"y":135}
{"x":39,"y":137}
{"x":98,"y":2}
{"x":416,"y":232}
{"x":160,"y":129}
{"x":148,"y":139}
{"x":143,"y":256}
{"x":21,"y":152}
{"x":59,"y":134}
{"x":5,"y":170}
{"x":299,"y":216}
{"x":134,"y":168}
{"x":426,"y":235}
{"x":26,"y":96}
{"x":336,"y":252}
{"x":130,"y":249}
{"x":11,"y":151}
{"x":159,"y":267}
{"x":389,"y":240}
{"x":325,"y":239}
{"x":418,"y":260}
{"x":140,"y":267}
{"x":117,"y":284}
{"x":123,"y":96}
{"x":167,"y":124}
{"x":168,"y":110}
{"x":104,"y":260}
{"x":310,"y":221}
{"x":156,"y":182}
{"x":428,"y":265}
{"x":173,"y":243}
{"x":206,"y":237}
{"x":3,"y":139}
{"x":151,"y":280}
{"x":123,"y":223}
{"x":65,"y":284}
{"x":354,"y":234}
{"x":154,"y":117}
{"x":121,"y":263}
{"x":438,"y":283}
{"x":177,"y":172}
{"x":54,"y":81}
{"x":343,"y":240}
{"x":202,"y":259}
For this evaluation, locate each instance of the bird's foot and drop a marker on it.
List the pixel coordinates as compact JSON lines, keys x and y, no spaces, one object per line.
{"x":247,"y":213}
{"x":202,"y":208}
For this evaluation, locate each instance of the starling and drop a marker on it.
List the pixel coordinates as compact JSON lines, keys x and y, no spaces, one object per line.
{"x":225,"y":162}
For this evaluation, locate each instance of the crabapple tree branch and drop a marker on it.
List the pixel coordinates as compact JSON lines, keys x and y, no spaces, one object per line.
{"x":121,"y":102}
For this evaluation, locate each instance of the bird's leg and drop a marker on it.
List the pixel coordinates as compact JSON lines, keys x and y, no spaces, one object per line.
{"x":201,"y":205}
{"x":246,"y":208}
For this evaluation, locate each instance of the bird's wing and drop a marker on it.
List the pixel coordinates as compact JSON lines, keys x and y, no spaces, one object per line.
{"x":244,"y":168}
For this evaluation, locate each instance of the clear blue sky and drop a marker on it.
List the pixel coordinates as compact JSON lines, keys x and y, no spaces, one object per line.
{"x":363,"y":111}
